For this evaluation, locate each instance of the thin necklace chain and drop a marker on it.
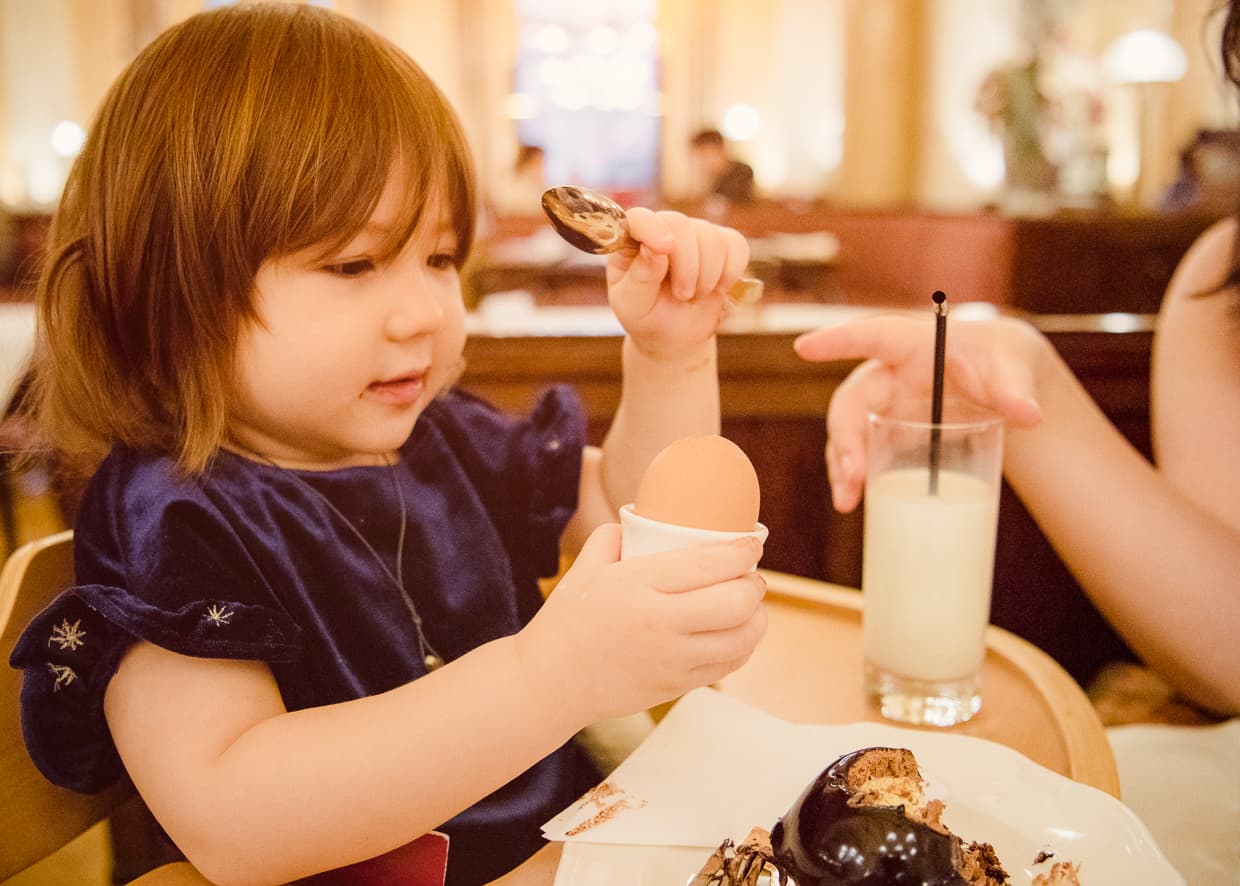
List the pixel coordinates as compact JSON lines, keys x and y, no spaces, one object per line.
{"x":432,"y":659}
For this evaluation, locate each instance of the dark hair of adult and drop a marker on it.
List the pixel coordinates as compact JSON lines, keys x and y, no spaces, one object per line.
{"x":707,"y":137}
{"x":1229,"y":51}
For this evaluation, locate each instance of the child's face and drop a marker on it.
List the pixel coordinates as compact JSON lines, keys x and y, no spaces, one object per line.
{"x":349,"y":351}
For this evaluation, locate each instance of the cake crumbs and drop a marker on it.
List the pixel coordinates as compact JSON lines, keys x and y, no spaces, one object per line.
{"x":609,"y":800}
{"x":1062,"y":873}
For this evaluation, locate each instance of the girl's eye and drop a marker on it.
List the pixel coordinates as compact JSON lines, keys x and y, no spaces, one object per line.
{"x":354,"y":268}
{"x":442,"y":261}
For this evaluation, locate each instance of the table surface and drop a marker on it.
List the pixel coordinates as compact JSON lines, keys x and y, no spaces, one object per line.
{"x":1028,"y":701}
{"x":808,"y":669}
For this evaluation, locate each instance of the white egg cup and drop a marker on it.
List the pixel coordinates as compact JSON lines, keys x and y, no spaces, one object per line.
{"x":640,"y":535}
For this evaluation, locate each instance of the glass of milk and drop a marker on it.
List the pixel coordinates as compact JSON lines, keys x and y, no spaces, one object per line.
{"x":931,"y":512}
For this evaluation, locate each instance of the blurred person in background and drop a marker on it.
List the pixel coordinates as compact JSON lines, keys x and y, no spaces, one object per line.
{"x":521,"y":193}
{"x":722,"y":174}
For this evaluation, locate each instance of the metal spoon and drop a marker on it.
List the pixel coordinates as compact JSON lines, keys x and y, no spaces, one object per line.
{"x":593,"y":222}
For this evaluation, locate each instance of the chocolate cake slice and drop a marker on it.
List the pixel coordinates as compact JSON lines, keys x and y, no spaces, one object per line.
{"x":865,"y":820}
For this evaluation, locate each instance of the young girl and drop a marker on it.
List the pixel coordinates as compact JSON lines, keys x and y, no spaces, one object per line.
{"x":306,"y":622}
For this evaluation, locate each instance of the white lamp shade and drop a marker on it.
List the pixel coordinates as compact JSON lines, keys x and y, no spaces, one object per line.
{"x":1145,"y":56}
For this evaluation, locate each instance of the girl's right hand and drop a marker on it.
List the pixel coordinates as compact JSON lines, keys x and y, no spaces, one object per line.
{"x":993,"y":363}
{"x":617,"y":637}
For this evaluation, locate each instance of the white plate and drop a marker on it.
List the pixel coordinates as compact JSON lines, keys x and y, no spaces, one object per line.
{"x":992,"y":794}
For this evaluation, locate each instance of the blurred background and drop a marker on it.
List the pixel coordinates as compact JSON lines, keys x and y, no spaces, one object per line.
{"x":934,"y":103}
{"x":1020,"y":108}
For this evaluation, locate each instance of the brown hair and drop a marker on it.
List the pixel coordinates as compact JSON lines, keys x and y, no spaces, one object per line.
{"x":1229,"y":49}
{"x":240,"y":134}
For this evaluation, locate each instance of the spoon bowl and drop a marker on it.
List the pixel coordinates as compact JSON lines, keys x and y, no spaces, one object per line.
{"x":591,"y":221}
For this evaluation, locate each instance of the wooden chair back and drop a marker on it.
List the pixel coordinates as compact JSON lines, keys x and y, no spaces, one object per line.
{"x":36,"y":816}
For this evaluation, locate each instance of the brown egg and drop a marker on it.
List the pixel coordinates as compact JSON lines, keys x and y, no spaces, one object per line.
{"x":704,"y":482}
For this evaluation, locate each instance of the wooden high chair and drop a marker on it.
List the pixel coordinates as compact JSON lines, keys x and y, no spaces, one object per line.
{"x":36,"y":817}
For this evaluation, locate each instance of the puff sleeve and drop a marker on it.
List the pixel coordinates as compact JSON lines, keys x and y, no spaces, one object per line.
{"x":155,"y":561}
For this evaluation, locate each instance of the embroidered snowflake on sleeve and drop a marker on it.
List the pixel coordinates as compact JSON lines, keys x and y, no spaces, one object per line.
{"x":219,"y":615}
{"x":64,"y":675}
{"x":69,"y":637}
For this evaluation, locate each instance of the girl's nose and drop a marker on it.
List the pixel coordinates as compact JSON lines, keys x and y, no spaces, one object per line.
{"x":415,"y":309}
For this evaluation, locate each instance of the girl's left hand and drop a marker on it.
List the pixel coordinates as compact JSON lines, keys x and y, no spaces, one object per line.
{"x":670,"y":295}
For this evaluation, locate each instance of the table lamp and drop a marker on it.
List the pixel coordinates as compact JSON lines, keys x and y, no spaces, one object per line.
{"x":1145,"y":61}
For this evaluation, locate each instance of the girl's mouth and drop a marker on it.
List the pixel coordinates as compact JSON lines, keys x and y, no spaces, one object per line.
{"x":403,"y":391}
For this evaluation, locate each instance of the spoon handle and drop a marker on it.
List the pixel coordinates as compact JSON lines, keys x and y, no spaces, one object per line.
{"x":745,"y":291}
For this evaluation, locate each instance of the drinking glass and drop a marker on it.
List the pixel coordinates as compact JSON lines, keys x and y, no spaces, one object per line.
{"x":931,"y":514}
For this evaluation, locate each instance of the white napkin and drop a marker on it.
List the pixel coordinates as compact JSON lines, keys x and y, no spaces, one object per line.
{"x":1184,"y":783}
{"x":715,"y":767}
{"x":707,"y":771}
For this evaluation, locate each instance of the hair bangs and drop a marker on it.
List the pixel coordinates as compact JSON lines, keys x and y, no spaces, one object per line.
{"x":375,"y":117}
{"x":426,"y":152}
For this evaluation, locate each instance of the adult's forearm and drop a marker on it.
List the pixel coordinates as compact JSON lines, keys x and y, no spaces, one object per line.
{"x":661,"y":401}
{"x":1161,"y":569}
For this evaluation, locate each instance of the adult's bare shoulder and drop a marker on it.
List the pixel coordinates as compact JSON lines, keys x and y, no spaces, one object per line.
{"x":1204,"y":266}
{"x":1195,"y":382}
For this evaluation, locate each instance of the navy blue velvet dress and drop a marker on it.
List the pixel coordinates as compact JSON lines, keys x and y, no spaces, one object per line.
{"x":244,"y":562}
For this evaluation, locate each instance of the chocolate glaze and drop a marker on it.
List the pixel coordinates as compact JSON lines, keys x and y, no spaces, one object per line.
{"x":822,"y":841}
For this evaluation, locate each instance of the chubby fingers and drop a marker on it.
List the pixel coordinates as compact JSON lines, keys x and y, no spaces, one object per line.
{"x":700,"y":566}
{"x":718,"y":653}
{"x":670,"y":234}
{"x":721,"y":624}
{"x":652,"y":229}
{"x":719,"y":607}
{"x":703,"y":258}
{"x":735,"y":258}
{"x":602,"y":546}
{"x":722,"y":255}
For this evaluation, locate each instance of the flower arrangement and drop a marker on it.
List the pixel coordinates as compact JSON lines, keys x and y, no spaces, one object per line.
{"x":1010,"y":97}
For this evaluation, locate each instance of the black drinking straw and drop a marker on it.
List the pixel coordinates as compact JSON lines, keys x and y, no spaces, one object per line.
{"x":936,"y":396}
